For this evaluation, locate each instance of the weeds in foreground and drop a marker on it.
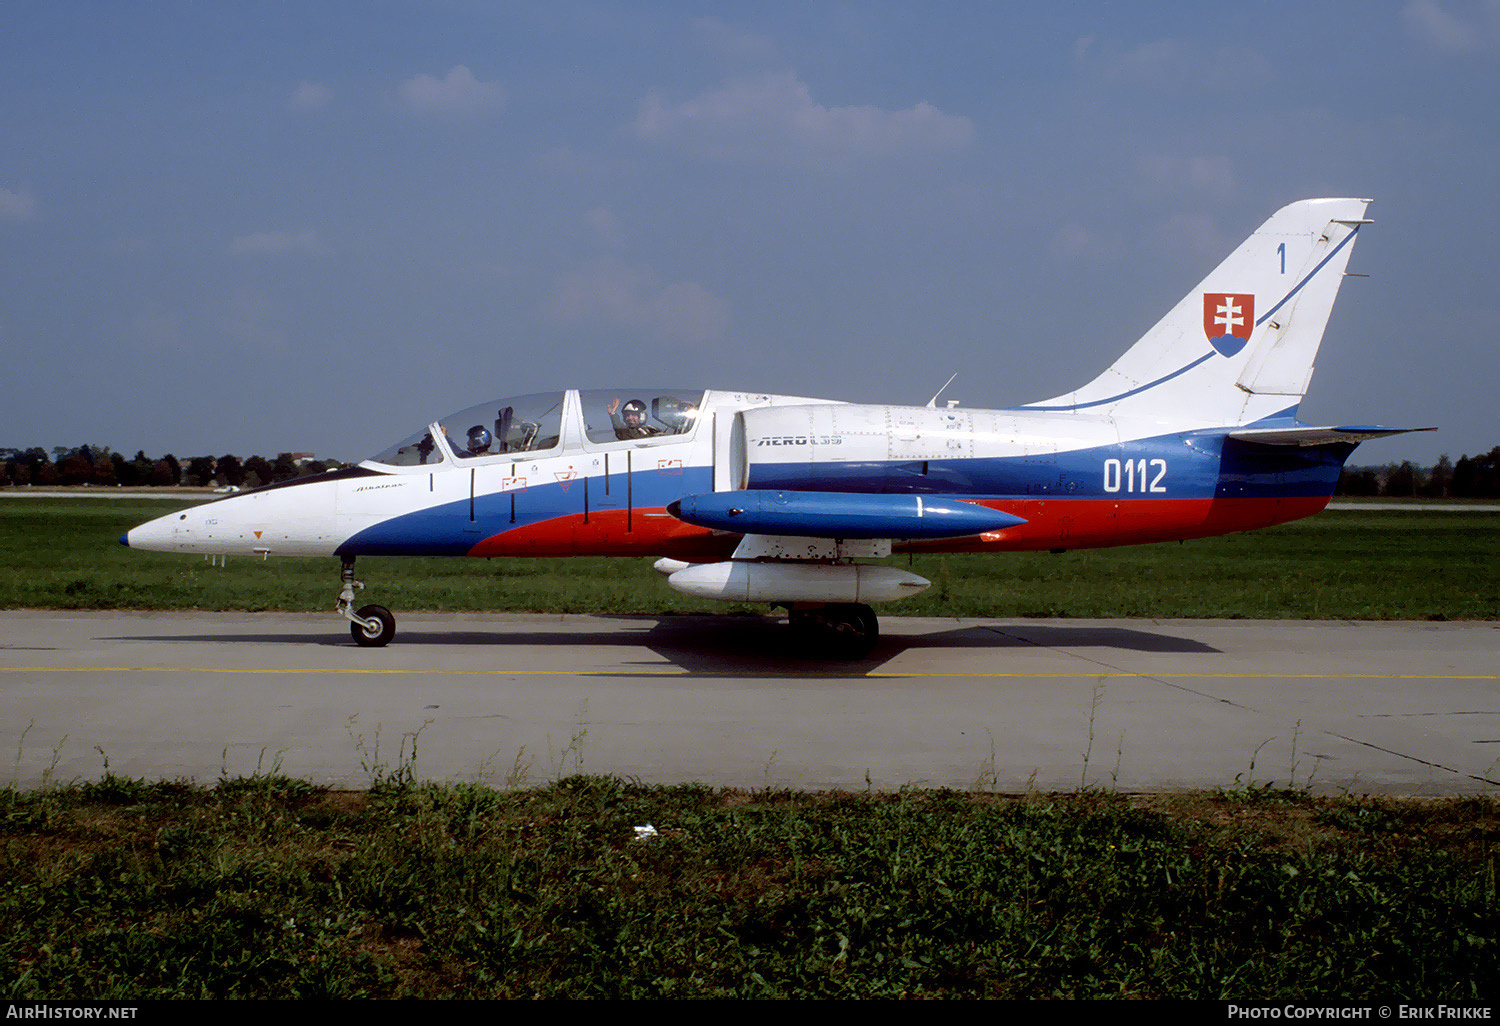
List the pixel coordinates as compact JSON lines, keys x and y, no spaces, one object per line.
{"x":1083,"y":778}
{"x":988,"y":778}
{"x":567,"y":760}
{"x":381,"y":774}
{"x":265,"y":887}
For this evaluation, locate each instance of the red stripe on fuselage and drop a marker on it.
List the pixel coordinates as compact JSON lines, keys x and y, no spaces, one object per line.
{"x":1050,"y":524}
{"x":1098,"y":523}
{"x":638,"y":532}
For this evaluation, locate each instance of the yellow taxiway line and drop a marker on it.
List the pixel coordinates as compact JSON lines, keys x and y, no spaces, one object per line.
{"x":679,"y":672}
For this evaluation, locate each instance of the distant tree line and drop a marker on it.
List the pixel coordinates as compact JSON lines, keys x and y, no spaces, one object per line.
{"x":1470,"y":477}
{"x":100,"y":465}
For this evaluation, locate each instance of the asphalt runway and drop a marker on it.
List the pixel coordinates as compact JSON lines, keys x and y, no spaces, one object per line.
{"x":1006,"y":705}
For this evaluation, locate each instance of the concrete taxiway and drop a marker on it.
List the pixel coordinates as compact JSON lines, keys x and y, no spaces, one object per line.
{"x":1410,"y":708}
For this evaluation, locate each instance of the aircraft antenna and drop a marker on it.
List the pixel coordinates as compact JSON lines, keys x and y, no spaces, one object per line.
{"x":932,"y":403}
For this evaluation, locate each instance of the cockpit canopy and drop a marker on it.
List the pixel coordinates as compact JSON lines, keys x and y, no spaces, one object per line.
{"x":612,"y":415}
{"x":547,"y":420}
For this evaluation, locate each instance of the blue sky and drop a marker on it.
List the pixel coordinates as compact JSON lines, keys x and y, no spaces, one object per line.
{"x":263,"y":227}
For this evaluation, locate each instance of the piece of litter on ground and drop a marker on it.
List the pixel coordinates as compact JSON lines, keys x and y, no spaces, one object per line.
{"x":643,"y":832}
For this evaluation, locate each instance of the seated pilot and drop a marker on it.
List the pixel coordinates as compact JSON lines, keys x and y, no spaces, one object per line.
{"x":633,"y":421}
{"x":480,"y":441}
{"x":425,"y":447}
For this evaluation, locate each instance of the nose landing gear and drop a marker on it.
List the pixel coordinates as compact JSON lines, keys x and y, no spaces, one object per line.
{"x":372,"y":626}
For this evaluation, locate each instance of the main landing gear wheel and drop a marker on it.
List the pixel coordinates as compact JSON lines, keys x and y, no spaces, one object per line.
{"x":377,"y":631}
{"x":836,"y":631}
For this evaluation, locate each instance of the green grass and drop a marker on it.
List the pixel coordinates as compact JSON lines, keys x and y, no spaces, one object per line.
{"x":268,"y":887}
{"x":1372,"y":564}
{"x":265,"y":887}
{"x":1358,"y":565}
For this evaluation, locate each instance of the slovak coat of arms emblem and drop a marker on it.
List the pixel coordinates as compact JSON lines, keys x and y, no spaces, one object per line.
{"x":1228,"y":319}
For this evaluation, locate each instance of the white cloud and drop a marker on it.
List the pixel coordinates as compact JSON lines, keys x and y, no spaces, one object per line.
{"x":1194,"y":233}
{"x":1170,"y":64}
{"x":774,"y":117}
{"x":612,"y":293}
{"x":309,"y":96}
{"x":1076,"y":243}
{"x":251,"y":321}
{"x":608,"y":231}
{"x":460,"y":94}
{"x":721,"y":38}
{"x":17,"y":205}
{"x":158,"y":331}
{"x":1449,"y":33}
{"x":1213,"y":176}
{"x":304,"y":242}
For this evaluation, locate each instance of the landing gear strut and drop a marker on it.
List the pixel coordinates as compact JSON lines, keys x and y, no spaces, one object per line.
{"x":372,"y":626}
{"x":842,"y":630}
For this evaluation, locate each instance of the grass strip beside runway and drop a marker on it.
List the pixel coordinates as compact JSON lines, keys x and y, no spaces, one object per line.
{"x":1345,"y":564}
{"x":267,"y":887}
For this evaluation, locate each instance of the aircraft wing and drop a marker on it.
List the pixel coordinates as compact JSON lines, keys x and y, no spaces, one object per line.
{"x":1305,"y":435}
{"x":793,"y":542}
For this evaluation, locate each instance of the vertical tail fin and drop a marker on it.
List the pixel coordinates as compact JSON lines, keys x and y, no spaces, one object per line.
{"x":1239,"y":347}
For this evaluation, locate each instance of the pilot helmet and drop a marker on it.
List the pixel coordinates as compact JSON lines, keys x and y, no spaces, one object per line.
{"x":634,"y":413}
{"x":479,"y":438}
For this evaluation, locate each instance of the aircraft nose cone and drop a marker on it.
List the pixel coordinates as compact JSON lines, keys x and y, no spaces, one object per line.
{"x":157,"y":535}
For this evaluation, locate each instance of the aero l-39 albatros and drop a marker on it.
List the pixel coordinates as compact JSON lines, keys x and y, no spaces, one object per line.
{"x":766,"y":498}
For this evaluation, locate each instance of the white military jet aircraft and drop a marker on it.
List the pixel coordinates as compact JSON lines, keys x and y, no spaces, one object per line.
{"x":767,"y":498}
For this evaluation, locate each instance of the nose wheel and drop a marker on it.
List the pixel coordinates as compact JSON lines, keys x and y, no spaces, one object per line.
{"x":377,"y":630}
{"x":372,"y":626}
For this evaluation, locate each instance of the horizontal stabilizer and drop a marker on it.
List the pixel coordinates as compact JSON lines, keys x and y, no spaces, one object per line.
{"x":839,"y":515}
{"x":1306,"y":435}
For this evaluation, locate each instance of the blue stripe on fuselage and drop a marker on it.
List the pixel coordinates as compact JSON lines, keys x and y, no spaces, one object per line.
{"x":1194,"y":464}
{"x":1250,"y":470}
{"x":447,"y":530}
{"x":1189,"y":465}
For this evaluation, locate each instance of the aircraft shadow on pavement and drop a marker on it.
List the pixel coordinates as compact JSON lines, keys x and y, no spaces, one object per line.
{"x":735,"y":645}
{"x":762,"y":645}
